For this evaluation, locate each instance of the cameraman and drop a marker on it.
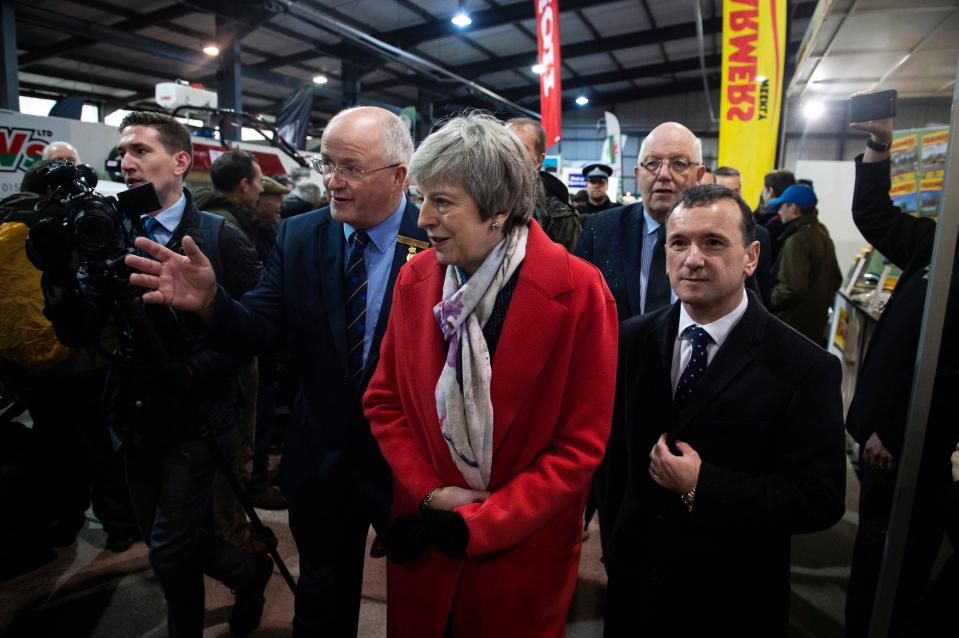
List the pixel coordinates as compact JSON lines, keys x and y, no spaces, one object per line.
{"x":166,"y":391}
{"x":79,"y":464}
{"x":878,"y":413}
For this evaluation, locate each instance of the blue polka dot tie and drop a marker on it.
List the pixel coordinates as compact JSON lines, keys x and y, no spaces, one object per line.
{"x":356,"y":305}
{"x":696,"y":367}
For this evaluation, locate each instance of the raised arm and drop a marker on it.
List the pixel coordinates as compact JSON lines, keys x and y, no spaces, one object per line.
{"x":900,"y":237}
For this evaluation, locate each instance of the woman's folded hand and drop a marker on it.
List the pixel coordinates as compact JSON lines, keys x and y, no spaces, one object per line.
{"x":448,"y":499}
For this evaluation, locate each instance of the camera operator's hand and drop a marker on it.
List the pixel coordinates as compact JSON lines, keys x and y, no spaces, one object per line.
{"x":183,"y":282}
{"x":880,"y":131}
{"x":50,"y":246}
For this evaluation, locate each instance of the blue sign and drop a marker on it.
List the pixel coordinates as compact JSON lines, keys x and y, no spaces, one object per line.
{"x":577,"y":180}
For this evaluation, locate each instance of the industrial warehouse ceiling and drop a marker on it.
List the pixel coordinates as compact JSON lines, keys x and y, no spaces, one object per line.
{"x":114,"y":52}
{"x":869,"y":45}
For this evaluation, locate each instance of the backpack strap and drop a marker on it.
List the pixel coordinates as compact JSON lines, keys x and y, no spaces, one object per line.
{"x":210,"y":226}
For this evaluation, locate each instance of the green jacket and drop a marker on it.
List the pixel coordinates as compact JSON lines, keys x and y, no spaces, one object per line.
{"x":807,"y":276}
{"x":558,"y":219}
{"x":213,"y":201}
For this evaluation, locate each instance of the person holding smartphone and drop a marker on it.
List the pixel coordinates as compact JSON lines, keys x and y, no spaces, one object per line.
{"x":878,"y":413}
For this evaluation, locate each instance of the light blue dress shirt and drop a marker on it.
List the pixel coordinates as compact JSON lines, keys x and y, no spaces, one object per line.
{"x":168,"y":219}
{"x":378,"y":259}
{"x":650,"y":226}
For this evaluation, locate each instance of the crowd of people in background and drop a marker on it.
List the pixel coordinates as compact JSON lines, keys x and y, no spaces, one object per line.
{"x":470,"y":365}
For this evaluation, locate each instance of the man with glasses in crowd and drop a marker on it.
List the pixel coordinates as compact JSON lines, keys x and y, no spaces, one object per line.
{"x":327,"y":291}
{"x":626,"y":243}
{"x":597,"y":183}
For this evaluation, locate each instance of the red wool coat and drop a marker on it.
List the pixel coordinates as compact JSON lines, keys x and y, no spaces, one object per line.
{"x":552,"y":393}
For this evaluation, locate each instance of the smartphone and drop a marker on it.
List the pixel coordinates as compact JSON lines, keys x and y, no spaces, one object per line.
{"x":872,"y":106}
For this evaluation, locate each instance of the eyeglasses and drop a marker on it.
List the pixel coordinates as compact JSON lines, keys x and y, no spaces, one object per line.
{"x":597,"y":180}
{"x":677,"y":165}
{"x":346,"y":172}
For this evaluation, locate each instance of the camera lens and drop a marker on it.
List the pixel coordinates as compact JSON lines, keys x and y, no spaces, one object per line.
{"x":95,"y":229}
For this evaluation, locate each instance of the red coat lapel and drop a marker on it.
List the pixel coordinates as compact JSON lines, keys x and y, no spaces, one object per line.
{"x":533,"y":322}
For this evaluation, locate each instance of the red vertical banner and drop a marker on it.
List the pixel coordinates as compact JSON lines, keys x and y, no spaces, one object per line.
{"x":550,"y":91}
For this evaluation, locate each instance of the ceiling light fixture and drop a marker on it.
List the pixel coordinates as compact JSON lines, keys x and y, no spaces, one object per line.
{"x":813,"y":109}
{"x":538,"y":69}
{"x":462,"y":20}
{"x":320,"y":79}
{"x":211,"y":50}
{"x":582,"y":100}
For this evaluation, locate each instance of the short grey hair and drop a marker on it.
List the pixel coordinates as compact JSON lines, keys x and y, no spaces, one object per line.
{"x":478,"y":153}
{"x":397,"y":142}
{"x":697,"y":150}
{"x":53,"y":147}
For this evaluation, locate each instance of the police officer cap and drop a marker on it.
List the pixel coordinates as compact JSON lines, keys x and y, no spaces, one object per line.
{"x":593,"y":171}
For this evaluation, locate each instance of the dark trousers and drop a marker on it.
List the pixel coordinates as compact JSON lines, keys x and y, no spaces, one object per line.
{"x":80,"y":461}
{"x":331,"y":541}
{"x":265,"y":420}
{"x":171,"y":496}
{"x":922,"y":546}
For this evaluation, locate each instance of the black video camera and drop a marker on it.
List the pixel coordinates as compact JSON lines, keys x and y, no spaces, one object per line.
{"x":100,"y":228}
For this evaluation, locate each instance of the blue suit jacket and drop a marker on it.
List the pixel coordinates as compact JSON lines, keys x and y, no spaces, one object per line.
{"x":299,"y":302}
{"x":612,"y":240}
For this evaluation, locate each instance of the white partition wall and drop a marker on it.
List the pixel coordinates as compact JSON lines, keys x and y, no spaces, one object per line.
{"x":833,"y":183}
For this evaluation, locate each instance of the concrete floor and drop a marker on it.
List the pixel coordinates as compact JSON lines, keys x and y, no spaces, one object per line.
{"x":90,"y":592}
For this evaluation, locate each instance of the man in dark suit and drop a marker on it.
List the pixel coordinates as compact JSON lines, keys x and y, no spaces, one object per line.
{"x":626,"y":243}
{"x":326,"y":290}
{"x":727,"y":438}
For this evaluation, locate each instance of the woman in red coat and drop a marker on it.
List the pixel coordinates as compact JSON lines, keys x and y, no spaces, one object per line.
{"x":492,"y":399}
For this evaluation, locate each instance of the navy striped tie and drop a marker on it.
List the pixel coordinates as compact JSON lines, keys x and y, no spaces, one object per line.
{"x":356,"y":305}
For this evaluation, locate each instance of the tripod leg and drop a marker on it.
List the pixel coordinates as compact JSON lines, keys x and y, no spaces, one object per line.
{"x":259,"y":529}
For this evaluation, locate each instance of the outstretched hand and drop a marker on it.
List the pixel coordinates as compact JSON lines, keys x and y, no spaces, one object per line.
{"x":184,"y":282}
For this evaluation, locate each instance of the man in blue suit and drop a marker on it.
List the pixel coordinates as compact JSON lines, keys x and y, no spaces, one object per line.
{"x":627,"y":243}
{"x":326,"y":293}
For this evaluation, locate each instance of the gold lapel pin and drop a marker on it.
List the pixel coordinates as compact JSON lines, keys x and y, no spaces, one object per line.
{"x":412,"y":245}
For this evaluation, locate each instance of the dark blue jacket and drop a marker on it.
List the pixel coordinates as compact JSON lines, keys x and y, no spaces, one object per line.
{"x":299,"y":303}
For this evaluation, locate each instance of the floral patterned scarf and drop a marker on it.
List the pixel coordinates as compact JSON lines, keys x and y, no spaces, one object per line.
{"x":466,"y":413}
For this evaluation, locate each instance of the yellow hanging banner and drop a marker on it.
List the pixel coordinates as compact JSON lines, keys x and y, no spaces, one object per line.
{"x":754,"y":48}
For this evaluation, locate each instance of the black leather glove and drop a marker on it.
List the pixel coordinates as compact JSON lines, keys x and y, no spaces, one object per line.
{"x":405,"y":538}
{"x":447,"y":532}
{"x":50,"y":245}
